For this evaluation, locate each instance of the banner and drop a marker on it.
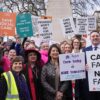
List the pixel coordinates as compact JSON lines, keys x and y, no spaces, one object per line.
{"x":7,"y":24}
{"x":72,"y":66}
{"x":24,"y":25}
{"x":93,"y":62}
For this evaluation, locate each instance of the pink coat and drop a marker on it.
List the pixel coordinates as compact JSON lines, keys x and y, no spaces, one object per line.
{"x":6,"y":64}
{"x":44,"y":55}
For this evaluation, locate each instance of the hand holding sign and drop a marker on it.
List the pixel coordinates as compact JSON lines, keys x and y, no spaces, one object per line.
{"x":87,"y":67}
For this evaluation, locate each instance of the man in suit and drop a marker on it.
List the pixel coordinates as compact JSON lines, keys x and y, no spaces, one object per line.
{"x":95,"y":45}
{"x":95,"y":40}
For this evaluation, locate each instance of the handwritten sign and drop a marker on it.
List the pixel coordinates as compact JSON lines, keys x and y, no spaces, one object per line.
{"x":45,"y":28}
{"x":91,"y":23}
{"x":68,"y":26}
{"x":82,"y":25}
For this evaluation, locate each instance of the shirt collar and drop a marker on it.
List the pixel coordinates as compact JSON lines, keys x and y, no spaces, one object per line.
{"x":98,"y":46}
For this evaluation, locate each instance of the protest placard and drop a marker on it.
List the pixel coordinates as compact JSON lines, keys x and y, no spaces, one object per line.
{"x":93,"y":62}
{"x":82,"y":25}
{"x":35,"y":23}
{"x":7,"y":23}
{"x":91,"y":23}
{"x":68,"y":26}
{"x":72,"y":66}
{"x":45,"y":28}
{"x":24,"y":25}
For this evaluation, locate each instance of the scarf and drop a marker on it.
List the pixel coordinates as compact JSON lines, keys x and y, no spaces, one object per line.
{"x":22,"y":86}
{"x":31,"y":83}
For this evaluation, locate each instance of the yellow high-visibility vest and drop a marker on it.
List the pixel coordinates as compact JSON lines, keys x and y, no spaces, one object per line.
{"x":12,"y":93}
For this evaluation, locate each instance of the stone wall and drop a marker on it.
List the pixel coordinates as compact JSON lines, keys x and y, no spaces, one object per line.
{"x":58,"y":9}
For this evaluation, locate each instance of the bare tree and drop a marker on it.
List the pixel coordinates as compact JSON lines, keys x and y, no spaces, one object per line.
{"x":31,"y":6}
{"x":85,"y":4}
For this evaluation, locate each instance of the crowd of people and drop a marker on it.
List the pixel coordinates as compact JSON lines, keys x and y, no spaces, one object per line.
{"x":29,"y":72}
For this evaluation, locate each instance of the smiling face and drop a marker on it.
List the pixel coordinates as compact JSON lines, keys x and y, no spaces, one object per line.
{"x":54,"y":54}
{"x":12,"y":54}
{"x":45,"y":46}
{"x":68,"y":48}
{"x":76,"y":44}
{"x":32,"y":57}
{"x":62,"y":48}
{"x":95,"y":38}
{"x":17,"y":66}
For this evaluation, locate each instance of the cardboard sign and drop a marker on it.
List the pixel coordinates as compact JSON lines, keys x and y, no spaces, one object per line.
{"x":72,"y":66}
{"x":7,"y":24}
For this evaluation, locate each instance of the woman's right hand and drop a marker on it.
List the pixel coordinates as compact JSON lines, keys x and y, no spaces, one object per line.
{"x":59,"y":95}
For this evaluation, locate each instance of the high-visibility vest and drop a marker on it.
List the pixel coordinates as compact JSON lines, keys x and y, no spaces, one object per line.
{"x":12,"y":93}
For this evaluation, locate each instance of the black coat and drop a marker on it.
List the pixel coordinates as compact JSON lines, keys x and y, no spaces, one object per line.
{"x":36,"y":79}
{"x":77,"y":89}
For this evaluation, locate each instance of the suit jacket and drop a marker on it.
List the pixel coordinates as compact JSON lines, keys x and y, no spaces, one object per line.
{"x":89,"y":48}
{"x":85,"y":94}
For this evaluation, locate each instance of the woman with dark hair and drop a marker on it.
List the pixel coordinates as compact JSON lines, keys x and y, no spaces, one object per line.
{"x":50,"y":76}
{"x":32,"y":73}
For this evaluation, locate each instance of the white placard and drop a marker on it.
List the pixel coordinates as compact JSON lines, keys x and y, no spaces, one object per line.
{"x":91,"y":23}
{"x":45,"y":28}
{"x":93,"y":61}
{"x":82,"y":25}
{"x":68,"y":26}
{"x":72,"y":66}
{"x":34,"y":23}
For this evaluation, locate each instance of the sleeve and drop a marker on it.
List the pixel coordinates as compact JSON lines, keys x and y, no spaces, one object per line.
{"x":3,"y":88}
{"x":63,"y":86}
{"x":45,"y":84}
